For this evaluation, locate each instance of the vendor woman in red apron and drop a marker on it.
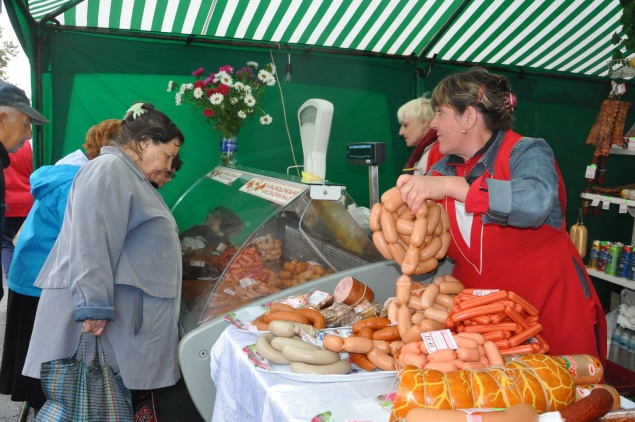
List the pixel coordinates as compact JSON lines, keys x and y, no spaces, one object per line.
{"x":506,"y":200}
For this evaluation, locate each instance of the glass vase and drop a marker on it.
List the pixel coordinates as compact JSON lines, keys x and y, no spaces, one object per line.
{"x":228,"y":151}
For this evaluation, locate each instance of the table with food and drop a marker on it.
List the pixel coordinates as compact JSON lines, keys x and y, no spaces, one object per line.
{"x":433,"y":351}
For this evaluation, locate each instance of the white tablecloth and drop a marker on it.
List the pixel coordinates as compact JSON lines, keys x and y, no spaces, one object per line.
{"x":245,"y":394}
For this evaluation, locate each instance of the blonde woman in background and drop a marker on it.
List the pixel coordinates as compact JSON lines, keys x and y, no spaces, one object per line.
{"x":415,"y":117}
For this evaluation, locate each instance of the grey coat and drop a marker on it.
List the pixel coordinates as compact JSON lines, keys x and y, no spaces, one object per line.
{"x":118,"y":257}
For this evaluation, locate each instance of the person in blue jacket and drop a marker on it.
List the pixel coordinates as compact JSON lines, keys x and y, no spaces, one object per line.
{"x":50,"y":186}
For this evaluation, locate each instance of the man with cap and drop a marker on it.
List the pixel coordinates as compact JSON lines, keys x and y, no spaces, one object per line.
{"x":16,"y":118}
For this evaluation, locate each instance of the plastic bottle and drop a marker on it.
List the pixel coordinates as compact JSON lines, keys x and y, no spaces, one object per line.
{"x":614,"y":351}
{"x":631,"y":352}
{"x":625,"y":339}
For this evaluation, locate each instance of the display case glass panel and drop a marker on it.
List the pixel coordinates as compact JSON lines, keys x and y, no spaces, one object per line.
{"x":246,"y":234}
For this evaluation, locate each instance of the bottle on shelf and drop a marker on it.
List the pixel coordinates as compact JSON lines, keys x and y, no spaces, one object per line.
{"x":625,"y":339}
{"x":631,"y":352}
{"x":614,"y":351}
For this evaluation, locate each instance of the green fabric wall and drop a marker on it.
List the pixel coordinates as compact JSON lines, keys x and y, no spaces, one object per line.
{"x":96,"y":77}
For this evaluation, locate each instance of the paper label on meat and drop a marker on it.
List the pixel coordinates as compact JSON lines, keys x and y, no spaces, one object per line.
{"x":438,"y":340}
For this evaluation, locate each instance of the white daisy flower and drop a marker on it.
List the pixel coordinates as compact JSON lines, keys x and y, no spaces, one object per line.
{"x":270,"y":81}
{"x":250,"y":100}
{"x":216,"y":98}
{"x":183,"y":88}
{"x":266,"y":120}
{"x":273,"y":68}
{"x":263,"y":75}
{"x":198,"y":93}
{"x":226,"y":80}
{"x":253,"y":64}
{"x":171,"y":85}
{"x":239,"y":85}
{"x":234,"y":100}
{"x":247,"y":89}
{"x":178,"y":98}
{"x":242,"y":114}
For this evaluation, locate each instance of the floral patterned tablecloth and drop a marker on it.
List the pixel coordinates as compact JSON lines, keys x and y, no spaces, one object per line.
{"x":246,"y":394}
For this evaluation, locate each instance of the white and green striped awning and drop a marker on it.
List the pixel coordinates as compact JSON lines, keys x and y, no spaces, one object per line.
{"x":556,"y":36}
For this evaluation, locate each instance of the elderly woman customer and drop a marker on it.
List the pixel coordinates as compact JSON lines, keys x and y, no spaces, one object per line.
{"x":115,"y":270}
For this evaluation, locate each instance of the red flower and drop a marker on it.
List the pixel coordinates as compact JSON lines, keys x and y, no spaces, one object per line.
{"x":198,"y":71}
{"x":223,"y":89}
{"x":208,"y":113}
{"x":199,"y":84}
{"x":210,"y":92}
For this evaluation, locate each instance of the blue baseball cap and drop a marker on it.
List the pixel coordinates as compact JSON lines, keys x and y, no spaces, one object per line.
{"x":12,"y":96}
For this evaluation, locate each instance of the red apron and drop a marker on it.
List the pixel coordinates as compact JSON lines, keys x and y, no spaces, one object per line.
{"x":538,"y":264}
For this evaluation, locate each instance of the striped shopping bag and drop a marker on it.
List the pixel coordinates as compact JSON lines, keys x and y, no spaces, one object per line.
{"x":78,"y":392}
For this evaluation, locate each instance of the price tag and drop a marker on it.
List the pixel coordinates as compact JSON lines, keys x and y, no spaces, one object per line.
{"x":230,"y":292}
{"x":590,"y":171}
{"x":483,"y":292}
{"x":605,"y":203}
{"x":595,"y":202}
{"x":246,"y":282}
{"x":438,"y":340}
{"x":631,"y":144}
{"x":624,"y":207}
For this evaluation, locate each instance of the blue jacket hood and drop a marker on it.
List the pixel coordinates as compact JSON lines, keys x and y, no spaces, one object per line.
{"x":48,"y":178}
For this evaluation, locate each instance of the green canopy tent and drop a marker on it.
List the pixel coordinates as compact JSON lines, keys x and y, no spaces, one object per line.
{"x":91,"y":59}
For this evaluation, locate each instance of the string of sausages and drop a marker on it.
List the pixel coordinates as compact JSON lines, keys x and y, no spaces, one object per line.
{"x":415,"y":241}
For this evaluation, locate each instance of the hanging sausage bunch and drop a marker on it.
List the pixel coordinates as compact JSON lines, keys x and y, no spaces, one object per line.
{"x":417,"y":242}
{"x":609,"y":126}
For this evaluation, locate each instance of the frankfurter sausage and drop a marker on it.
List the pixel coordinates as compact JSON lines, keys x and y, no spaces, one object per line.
{"x":434,"y":215}
{"x":397,"y":251}
{"x":403,"y":320}
{"x":381,"y":245}
{"x":446,"y":239}
{"x":358,"y":345}
{"x":381,"y":360}
{"x":413,"y":334}
{"x":333,"y":343}
{"x":417,"y":317}
{"x":404,"y":226}
{"x":436,"y":314}
{"x":418,"y":234}
{"x":411,"y":260}
{"x":264,"y":349}
{"x":391,"y":199}
{"x":430,"y":250}
{"x":260,"y":324}
{"x":477,"y":337}
{"x":392,"y":312}
{"x":384,"y":346}
{"x":464,"y":341}
{"x":388,"y":227}
{"x":342,"y":366}
{"x":418,"y":360}
{"x":366,"y":332}
{"x":361,"y":360}
{"x":441,"y":367}
{"x":429,"y":295}
{"x":444,"y":355}
{"x":467,"y":354}
{"x":430,"y":325}
{"x":493,"y":354}
{"x":444,"y":300}
{"x":427,"y":266}
{"x":314,"y":357}
{"x":375,"y":213}
{"x":450,"y":287}
{"x":402,"y":289}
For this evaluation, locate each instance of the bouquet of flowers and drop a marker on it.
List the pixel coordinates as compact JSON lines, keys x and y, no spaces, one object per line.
{"x":228,"y":97}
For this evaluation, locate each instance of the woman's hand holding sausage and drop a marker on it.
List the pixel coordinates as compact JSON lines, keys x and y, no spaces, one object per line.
{"x":416,"y":189}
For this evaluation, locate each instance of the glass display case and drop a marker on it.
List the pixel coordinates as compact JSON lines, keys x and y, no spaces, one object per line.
{"x":247,"y":234}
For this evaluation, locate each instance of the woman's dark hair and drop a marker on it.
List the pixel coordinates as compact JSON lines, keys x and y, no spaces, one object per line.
{"x":491,"y":95}
{"x":177,"y":162}
{"x":143,"y":122}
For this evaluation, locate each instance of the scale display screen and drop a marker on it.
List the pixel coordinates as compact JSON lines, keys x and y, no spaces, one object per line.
{"x":366,"y":153}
